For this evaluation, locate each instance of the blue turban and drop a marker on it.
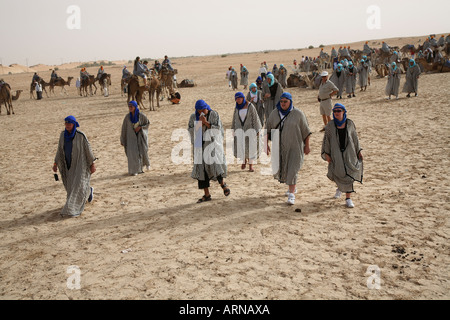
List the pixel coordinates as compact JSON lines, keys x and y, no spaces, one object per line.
{"x":288,"y":96}
{"x":336,"y":121}
{"x":272,"y":79}
{"x":69,"y":136}
{"x":259,"y":79}
{"x":240,"y":95}
{"x":253,"y":85}
{"x":136,"y":112}
{"x":412,"y":62}
{"x":200,"y":105}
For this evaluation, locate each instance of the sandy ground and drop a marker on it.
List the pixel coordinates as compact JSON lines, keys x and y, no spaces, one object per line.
{"x":250,"y":245}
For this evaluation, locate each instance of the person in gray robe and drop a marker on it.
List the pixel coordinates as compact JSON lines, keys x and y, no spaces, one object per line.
{"x":350,"y":79}
{"x":441,"y":41}
{"x":345,"y":53}
{"x":341,"y":149}
{"x":255,"y":97}
{"x":246,"y":128}
{"x":75,"y":161}
{"x":338,"y":78}
{"x":234,"y":79}
{"x":134,"y":139}
{"x":275,"y":71}
{"x":366,"y":49}
{"x":207,"y":137}
{"x":394,"y":58}
{"x":271,"y":92}
{"x":307,"y":65}
{"x":334,"y":54}
{"x":393,"y":84}
{"x":385,"y":48}
{"x":412,"y":79}
{"x":244,"y":77}
{"x":363,"y":71}
{"x":287,"y":128}
{"x":282,"y":76}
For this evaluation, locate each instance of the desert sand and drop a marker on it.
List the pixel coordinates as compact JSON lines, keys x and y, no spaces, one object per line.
{"x":145,"y":237}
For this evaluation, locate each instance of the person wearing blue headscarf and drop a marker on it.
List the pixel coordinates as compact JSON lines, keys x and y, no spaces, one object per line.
{"x":363,"y":70}
{"x":271,"y":92}
{"x":412,"y":79}
{"x":75,"y":161}
{"x":207,"y":136}
{"x":233,"y":79}
{"x":350,"y":79}
{"x":393,"y":83}
{"x":246,"y":128}
{"x":338,"y":78}
{"x":244,"y":77}
{"x":134,"y":139}
{"x":255,"y":97}
{"x":282,"y":76}
{"x":341,"y":149}
{"x":287,"y":128}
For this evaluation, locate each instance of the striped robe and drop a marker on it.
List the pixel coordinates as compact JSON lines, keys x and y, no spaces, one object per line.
{"x":345,"y":167}
{"x":244,"y":77}
{"x":246,"y":143}
{"x":350,"y":79}
{"x":393,"y":84}
{"x":211,"y":148}
{"x":76,"y":180}
{"x":259,"y":105}
{"x":135,"y":145}
{"x":363,"y":70}
{"x":271,"y":102}
{"x":412,"y":83}
{"x":339,"y":81}
{"x":288,"y":155}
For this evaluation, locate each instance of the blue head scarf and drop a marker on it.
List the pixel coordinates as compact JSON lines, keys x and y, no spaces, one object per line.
{"x":336,"y":121}
{"x":288,"y":96}
{"x":200,"y":105}
{"x":69,"y":136}
{"x":364,"y":57}
{"x":281,"y":65}
{"x":339,"y":67}
{"x":136,"y":112}
{"x":412,"y":62}
{"x":253,"y":85}
{"x":394,"y":66}
{"x":240,"y":95}
{"x":272,"y":79}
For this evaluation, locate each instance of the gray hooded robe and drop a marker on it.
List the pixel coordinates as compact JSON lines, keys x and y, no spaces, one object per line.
{"x":135,"y":145}
{"x":338,"y":80}
{"x":294,"y":132}
{"x":345,"y":167}
{"x":412,"y":83}
{"x":246,"y":143}
{"x":350,"y":79}
{"x":393,"y":84}
{"x":76,"y":180}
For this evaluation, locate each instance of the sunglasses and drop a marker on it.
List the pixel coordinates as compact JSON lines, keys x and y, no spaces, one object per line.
{"x":337,"y":110}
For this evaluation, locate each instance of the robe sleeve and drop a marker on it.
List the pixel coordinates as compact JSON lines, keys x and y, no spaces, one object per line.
{"x":123,"y":134}
{"x":326,"y":145}
{"x":355,"y":139}
{"x":143,"y":121}
{"x":191,"y":125}
{"x":304,"y":128}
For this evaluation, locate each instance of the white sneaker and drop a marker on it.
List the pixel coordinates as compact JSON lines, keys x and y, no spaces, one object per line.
{"x":338,"y":194}
{"x":349,"y":203}
{"x":291,"y":199}
{"x":148,"y":168}
{"x":287,"y":192}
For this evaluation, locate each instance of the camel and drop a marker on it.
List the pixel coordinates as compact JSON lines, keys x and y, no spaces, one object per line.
{"x":135,"y":91}
{"x":85,"y":83}
{"x":155,"y":87}
{"x":382,"y":70}
{"x":166,"y":77}
{"x":6,"y":98}
{"x":297,"y":81}
{"x":14,"y":98}
{"x":33,"y":88}
{"x":105,"y":81}
{"x":435,"y":66}
{"x":60,"y":83}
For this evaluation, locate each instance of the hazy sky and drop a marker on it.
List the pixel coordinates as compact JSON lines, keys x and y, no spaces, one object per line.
{"x":38,"y":32}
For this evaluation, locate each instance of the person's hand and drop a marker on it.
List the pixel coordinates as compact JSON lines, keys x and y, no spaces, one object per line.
{"x":93,"y":168}
{"x":137,"y":129}
{"x":268,"y":149}
{"x":306,"y":149}
{"x":328,"y":158}
{"x":267,"y":95}
{"x":360,"y":156}
{"x":55,"y":167}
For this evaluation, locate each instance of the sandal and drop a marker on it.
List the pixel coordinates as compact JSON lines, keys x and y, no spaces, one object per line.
{"x":226,"y":190}
{"x":204,"y":199}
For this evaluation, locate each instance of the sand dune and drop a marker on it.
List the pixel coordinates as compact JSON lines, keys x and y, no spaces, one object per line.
{"x":250,"y":245}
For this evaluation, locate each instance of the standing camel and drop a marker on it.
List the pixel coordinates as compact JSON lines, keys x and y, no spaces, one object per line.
{"x":135,"y":91}
{"x":60,"y":83}
{"x":166,"y":77}
{"x":155,"y":87}
{"x":6,"y":98}
{"x":85,"y":83}
{"x":105,"y":82}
